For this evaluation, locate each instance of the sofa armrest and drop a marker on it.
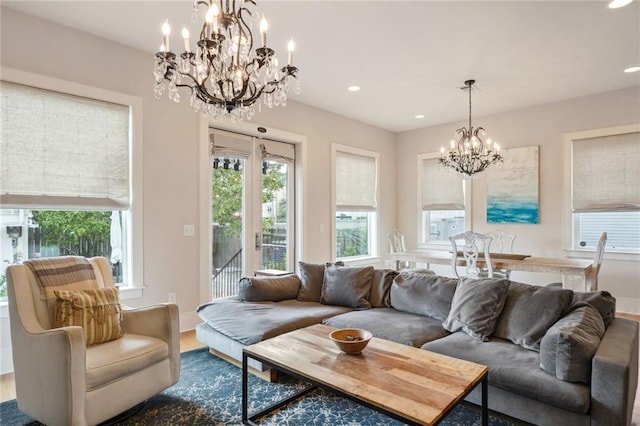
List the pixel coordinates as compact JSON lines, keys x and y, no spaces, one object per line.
{"x":614,"y":377}
{"x":161,"y":321}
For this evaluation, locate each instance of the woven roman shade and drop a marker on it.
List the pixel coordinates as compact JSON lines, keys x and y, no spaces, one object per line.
{"x":62,"y":151}
{"x":605,"y":173}
{"x":356,"y":182}
{"x":441,"y":190}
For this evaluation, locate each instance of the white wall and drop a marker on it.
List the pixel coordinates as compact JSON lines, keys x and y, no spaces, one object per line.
{"x":543,"y":126}
{"x":170,"y":155}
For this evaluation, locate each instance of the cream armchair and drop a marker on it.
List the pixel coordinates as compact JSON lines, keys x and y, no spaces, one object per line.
{"x":60,"y":381}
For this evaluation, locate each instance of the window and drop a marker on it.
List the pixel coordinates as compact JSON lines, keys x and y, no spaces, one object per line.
{"x":356,"y":193}
{"x":66,"y":173}
{"x":442,"y":201}
{"x":602,"y":183}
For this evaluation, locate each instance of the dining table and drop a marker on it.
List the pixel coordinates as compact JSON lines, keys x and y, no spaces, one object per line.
{"x":580,"y":268}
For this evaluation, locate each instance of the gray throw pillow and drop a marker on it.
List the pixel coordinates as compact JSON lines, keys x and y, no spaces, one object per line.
{"x":423,"y":294}
{"x":529,"y":311}
{"x":476,"y":305}
{"x":603,"y":301}
{"x":566,"y":351}
{"x":380,"y":286}
{"x":345,"y":286}
{"x":311,"y":278}
{"x":269,"y":289}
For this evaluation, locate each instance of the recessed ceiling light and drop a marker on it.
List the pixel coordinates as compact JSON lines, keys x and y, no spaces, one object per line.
{"x":632,"y":69}
{"x":615,"y":4}
{"x":420,"y":116}
{"x":353,"y":88}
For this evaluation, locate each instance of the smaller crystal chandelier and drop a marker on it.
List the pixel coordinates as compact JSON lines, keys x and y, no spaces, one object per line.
{"x":470,"y":155}
{"x":224,"y":78}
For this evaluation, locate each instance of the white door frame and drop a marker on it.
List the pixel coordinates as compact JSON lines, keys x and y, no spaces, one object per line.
{"x":204,"y":167}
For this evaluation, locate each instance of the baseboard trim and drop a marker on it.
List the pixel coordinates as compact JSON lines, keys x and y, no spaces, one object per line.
{"x":628,"y":305}
{"x":189,"y":320}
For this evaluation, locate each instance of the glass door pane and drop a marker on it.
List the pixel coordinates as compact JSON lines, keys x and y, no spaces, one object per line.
{"x":228,"y":194}
{"x":275,"y":215}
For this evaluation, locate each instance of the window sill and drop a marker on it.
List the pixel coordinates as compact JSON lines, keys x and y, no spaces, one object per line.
{"x":128,"y":292}
{"x":608,"y":254}
{"x":439,"y":245}
{"x":125,"y":293}
{"x":361,"y":260}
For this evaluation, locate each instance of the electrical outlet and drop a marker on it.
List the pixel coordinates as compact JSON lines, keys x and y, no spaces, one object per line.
{"x":172,"y":298}
{"x":189,"y":230}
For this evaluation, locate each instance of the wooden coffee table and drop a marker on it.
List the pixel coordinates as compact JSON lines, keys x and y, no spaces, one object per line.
{"x":409,"y":384}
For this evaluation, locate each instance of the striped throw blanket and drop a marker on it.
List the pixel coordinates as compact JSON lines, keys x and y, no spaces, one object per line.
{"x":62,"y":273}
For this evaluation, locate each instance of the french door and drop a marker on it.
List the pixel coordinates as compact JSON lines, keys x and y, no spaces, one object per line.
{"x":252,"y":209}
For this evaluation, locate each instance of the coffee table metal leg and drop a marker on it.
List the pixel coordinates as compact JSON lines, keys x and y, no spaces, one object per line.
{"x":485,"y":402}
{"x":245,"y":396}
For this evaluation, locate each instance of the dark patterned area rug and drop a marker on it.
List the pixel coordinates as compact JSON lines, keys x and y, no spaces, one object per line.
{"x":210,"y":393}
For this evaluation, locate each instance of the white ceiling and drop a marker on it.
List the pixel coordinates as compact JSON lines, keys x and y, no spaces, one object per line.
{"x":409,"y":57}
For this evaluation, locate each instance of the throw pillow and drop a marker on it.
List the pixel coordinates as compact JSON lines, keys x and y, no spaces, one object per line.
{"x":62,"y":273}
{"x":269,"y":289}
{"x":423,"y":294}
{"x":380,"y":286}
{"x":97,"y":311}
{"x":529,"y":311}
{"x":567,"y":349}
{"x":311,"y":280}
{"x":347,"y":286}
{"x":476,"y":305}
{"x":603,"y":301}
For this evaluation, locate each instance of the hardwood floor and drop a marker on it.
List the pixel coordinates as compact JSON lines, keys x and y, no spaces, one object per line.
{"x":188,"y":342}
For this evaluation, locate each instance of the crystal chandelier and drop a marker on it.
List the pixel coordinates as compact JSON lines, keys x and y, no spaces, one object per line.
{"x":224,"y":79}
{"x":470,"y":155}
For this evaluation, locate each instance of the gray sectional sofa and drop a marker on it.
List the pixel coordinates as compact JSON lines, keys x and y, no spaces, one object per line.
{"x":555,"y":357}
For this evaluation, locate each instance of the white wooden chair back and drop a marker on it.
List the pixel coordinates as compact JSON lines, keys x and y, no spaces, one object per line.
{"x":501,"y":241}
{"x":396,"y":242}
{"x":468,"y":245}
{"x":592,"y":278}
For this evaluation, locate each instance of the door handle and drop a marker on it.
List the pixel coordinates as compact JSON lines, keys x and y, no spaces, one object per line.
{"x":258,"y":240}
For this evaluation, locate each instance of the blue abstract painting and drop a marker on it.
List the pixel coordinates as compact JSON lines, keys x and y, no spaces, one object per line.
{"x":512,"y":187}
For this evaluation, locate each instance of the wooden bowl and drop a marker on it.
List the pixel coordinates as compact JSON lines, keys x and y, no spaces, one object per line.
{"x":351,"y":340}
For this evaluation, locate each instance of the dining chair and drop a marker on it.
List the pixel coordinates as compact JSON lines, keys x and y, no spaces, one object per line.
{"x":397,"y":245}
{"x":591,"y":283}
{"x":501,"y":242}
{"x":469,"y":244}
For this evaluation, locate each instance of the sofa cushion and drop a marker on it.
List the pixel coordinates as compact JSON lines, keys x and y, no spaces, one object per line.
{"x":259,"y":289}
{"x":97,"y":311}
{"x":390,"y":324}
{"x":603,"y":301}
{"x":380,"y":287}
{"x":311,"y":280}
{"x":252,"y":322}
{"x":569,"y":345}
{"x":476,"y":305}
{"x":515,"y":369}
{"x":423,"y":294}
{"x":529,"y":311}
{"x":346,"y":286}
